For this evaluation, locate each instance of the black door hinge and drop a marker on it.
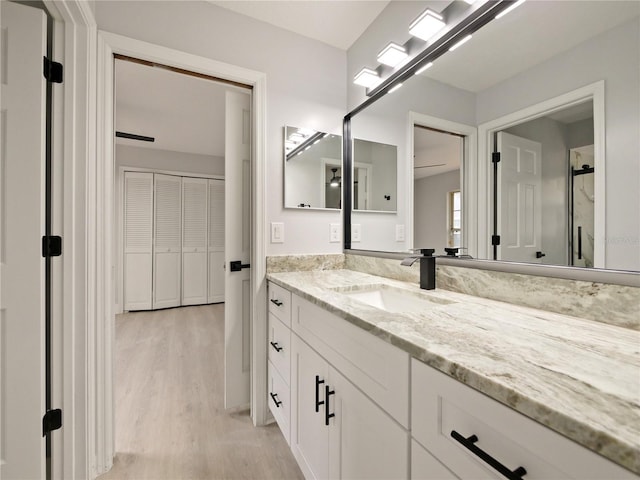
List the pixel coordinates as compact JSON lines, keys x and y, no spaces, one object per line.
{"x":52,"y":71}
{"x":51,"y":421}
{"x":495,"y":240}
{"x":495,"y":157}
{"x":51,"y":246}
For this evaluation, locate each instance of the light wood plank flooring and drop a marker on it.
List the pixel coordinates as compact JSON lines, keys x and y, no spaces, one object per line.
{"x":170,"y":417}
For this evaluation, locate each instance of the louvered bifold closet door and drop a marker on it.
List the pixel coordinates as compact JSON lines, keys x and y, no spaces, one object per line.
{"x":194,"y":241}
{"x":138,"y":240}
{"x":216,"y":241}
{"x":168,"y":242}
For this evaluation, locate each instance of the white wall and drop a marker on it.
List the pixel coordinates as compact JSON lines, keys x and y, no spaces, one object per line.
{"x":305,"y":87}
{"x":129,"y":156}
{"x":615,"y":58}
{"x":430,"y":212}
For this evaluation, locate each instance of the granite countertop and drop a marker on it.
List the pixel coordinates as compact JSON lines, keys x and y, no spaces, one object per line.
{"x":578,"y":377}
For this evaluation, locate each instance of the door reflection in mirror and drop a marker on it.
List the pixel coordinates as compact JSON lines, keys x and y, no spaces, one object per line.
{"x":536,"y":218}
{"x":375,"y":167}
{"x":437,"y":213}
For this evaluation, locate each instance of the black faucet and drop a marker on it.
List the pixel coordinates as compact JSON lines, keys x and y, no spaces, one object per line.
{"x":427,"y":267}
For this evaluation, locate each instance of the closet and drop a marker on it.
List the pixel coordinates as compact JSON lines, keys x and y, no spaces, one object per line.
{"x":173,"y":241}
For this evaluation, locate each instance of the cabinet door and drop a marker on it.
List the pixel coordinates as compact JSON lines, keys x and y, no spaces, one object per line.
{"x":309,"y":434}
{"x":216,"y":241}
{"x":364,"y":442}
{"x":194,"y":241}
{"x":167,"y":241}
{"x":138,"y":240}
{"x":424,"y":466}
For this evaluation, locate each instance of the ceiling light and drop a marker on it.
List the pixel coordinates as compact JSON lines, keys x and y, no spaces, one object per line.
{"x":427,"y":25}
{"x":335,"y":180}
{"x":367,"y":78}
{"x":395,"y":88}
{"x":392,"y":55}
{"x":461,"y":42}
{"x":424,"y":68}
{"x":504,"y":12}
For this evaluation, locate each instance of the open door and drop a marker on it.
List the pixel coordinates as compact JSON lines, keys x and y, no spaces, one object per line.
{"x":237,"y":312}
{"x":519,"y":201}
{"x":22,"y":222}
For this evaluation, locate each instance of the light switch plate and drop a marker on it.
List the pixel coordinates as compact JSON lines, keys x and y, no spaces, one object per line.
{"x":277,"y":232}
{"x":334,"y":233}
{"x":399,"y":233}
{"x":356,"y":232}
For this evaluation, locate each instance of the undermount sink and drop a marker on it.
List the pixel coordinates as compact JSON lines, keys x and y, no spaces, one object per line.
{"x":392,"y":299}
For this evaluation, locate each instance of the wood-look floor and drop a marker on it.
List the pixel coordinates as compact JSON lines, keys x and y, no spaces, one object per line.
{"x":170,"y":417}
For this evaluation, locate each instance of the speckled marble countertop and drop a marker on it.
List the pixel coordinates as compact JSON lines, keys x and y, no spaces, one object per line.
{"x":578,"y":377}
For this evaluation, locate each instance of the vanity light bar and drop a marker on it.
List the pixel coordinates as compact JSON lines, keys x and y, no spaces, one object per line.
{"x":367,"y":78}
{"x":512,"y":7}
{"x":392,"y":55}
{"x":461,"y":42}
{"x":424,"y":68}
{"x":427,"y":25}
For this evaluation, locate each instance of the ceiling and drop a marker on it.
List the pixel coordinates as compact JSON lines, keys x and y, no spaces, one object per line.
{"x":435,"y":152}
{"x":338,"y":23}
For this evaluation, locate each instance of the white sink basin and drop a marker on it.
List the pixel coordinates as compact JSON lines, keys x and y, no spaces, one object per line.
{"x":391,"y":299}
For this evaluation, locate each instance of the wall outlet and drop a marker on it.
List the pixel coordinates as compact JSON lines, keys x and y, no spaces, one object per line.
{"x":355,"y":232}
{"x":277,"y":232}
{"x":399,"y":233}
{"x":334,"y":233}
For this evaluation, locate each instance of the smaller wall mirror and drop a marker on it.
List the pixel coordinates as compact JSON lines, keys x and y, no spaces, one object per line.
{"x":375,"y":167}
{"x":312,"y":169}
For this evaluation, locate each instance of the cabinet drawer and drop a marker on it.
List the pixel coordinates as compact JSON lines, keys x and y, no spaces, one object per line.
{"x":280,"y":347}
{"x":280,"y":303}
{"x":378,"y":368}
{"x":279,"y":401}
{"x":442,"y":405}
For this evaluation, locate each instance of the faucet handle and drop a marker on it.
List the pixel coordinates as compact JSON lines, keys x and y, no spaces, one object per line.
{"x":427,"y":252}
{"x":451,"y":252}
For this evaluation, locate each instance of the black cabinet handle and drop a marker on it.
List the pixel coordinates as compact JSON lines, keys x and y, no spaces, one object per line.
{"x":327,"y":415}
{"x":276,"y":347}
{"x":470,"y":444}
{"x":276,"y":302}
{"x":274,"y":397}
{"x":318,"y":402}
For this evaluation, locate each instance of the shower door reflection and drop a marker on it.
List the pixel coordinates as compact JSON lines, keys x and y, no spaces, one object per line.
{"x":581,"y":206}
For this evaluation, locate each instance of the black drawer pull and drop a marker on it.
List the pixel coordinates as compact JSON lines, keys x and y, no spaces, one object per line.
{"x":276,"y":347}
{"x":470,"y":444}
{"x":276,"y":302}
{"x":274,"y":397}
{"x":318,"y":402}
{"x":327,"y":415}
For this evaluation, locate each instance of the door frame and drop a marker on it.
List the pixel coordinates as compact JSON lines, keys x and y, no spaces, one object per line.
{"x":594,"y":92}
{"x":468,"y":170}
{"x":100,"y":251}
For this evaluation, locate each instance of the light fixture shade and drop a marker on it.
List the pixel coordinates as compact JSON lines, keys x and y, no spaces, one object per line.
{"x":392,"y":55}
{"x":427,"y":25}
{"x":367,"y":78}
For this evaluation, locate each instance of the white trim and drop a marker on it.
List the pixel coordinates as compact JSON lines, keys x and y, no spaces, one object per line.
{"x":118,"y":235}
{"x":468,"y":171}
{"x":108,"y":45}
{"x":593,"y":91}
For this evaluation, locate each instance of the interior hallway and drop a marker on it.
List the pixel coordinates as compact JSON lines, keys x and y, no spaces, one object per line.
{"x":170,"y":417}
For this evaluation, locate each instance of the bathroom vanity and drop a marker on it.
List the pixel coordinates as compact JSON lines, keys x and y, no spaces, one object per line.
{"x":374,"y":378}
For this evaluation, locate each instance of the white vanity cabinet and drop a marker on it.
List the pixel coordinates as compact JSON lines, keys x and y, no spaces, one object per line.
{"x":456,"y":423}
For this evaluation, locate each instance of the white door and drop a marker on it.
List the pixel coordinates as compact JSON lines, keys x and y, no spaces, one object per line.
{"x":194,"y":241}
{"x":167,"y":241}
{"x":309,"y":432}
{"x":364,"y":441}
{"x":519,"y":199}
{"x":216,"y":241}
{"x":237,"y":312}
{"x":138,"y":240}
{"x":22,"y":208}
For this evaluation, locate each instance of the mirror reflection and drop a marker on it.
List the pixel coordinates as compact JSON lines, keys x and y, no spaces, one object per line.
{"x":374,"y":176}
{"x":560,"y":104}
{"x":312,"y":169}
